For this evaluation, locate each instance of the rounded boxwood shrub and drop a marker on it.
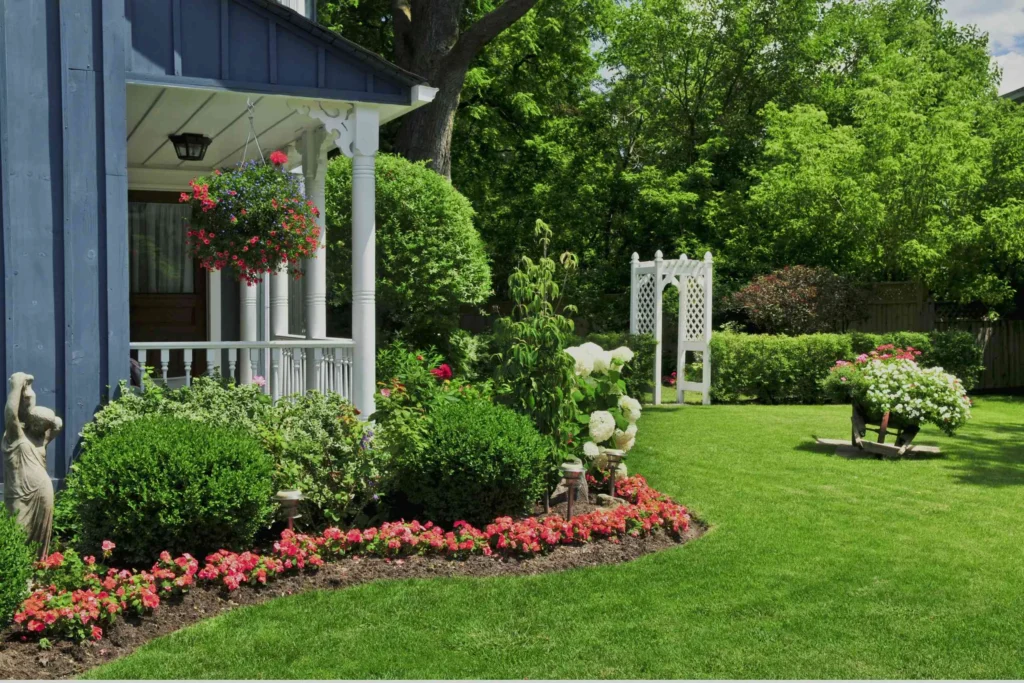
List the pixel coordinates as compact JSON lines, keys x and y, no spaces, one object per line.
{"x":482,"y":461}
{"x":430,"y":258}
{"x":165,"y":483}
{"x":15,"y":566}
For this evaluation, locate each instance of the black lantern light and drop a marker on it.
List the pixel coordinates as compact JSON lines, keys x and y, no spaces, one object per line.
{"x":190,"y":146}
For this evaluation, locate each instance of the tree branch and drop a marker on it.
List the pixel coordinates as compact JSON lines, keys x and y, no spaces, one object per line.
{"x":401,"y":13}
{"x":486,"y":29}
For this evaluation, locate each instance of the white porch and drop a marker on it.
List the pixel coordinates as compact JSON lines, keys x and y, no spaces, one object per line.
{"x":277,"y":330}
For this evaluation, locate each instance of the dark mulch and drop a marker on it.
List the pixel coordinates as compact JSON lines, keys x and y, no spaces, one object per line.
{"x":25,"y":660}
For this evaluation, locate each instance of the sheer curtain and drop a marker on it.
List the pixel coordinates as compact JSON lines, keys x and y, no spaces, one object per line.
{"x":160,"y":263}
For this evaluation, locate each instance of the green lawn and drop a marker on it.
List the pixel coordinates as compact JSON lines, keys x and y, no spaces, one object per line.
{"x":816,"y":567}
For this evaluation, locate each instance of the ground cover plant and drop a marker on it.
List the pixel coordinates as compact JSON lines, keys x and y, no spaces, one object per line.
{"x":815,"y":567}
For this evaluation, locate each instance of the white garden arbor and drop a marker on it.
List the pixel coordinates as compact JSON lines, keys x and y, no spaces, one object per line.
{"x":692,"y":279}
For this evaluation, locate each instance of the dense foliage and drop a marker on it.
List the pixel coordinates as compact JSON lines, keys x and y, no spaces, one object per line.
{"x":484,"y":461}
{"x":430,"y":259}
{"x":164,"y":483}
{"x":783,"y":369}
{"x":252,"y":217}
{"x":863,"y":137}
{"x":15,"y":565}
{"x":534,"y":376}
{"x":317,"y":443}
{"x":889,"y":381}
{"x":321,"y":448}
{"x":800,"y":300}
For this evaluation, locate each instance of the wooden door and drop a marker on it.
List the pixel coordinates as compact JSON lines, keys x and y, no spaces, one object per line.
{"x":167,"y":301}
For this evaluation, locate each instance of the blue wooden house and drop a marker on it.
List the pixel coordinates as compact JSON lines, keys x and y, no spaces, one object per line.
{"x":96,"y":97}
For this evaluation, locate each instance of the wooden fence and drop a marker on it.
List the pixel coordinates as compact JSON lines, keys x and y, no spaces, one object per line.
{"x":906,"y":306}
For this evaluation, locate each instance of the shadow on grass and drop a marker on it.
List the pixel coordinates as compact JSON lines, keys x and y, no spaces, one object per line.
{"x":825,"y":449}
{"x":992,"y":458}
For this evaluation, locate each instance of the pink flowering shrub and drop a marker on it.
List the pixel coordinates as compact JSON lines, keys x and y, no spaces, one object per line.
{"x":106,"y":593}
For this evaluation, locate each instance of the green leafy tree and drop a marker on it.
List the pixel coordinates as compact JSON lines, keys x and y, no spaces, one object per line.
{"x":534,"y":375}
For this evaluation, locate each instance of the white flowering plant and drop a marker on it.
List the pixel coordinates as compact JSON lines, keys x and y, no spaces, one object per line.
{"x":607,"y":416}
{"x":892,"y":382}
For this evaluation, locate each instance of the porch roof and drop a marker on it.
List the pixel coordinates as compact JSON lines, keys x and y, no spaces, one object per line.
{"x":255,"y":46}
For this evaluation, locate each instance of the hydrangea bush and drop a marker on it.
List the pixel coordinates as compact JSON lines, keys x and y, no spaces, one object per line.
{"x":889,"y":380}
{"x":608,"y":415}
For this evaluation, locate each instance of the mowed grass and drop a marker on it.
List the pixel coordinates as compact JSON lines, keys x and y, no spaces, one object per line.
{"x":816,"y":567}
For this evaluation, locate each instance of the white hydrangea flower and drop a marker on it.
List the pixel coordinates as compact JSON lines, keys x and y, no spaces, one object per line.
{"x":584,"y":360}
{"x":630,"y":408}
{"x":602,"y":425}
{"x":591,"y":450}
{"x":601,"y":359}
{"x":624,"y":440}
{"x":623,"y":354}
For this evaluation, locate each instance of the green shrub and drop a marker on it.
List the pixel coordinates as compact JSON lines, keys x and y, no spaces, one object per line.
{"x":208,"y":400}
{"x":321,"y":448}
{"x":165,"y":483}
{"x":430,"y":258}
{"x":783,"y":369}
{"x":484,"y":461}
{"x":16,"y":560}
{"x":639,"y":372}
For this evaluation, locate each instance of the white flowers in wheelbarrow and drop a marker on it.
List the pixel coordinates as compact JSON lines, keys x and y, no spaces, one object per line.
{"x":607,"y":415}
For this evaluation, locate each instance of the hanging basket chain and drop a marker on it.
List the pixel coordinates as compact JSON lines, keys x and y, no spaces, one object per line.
{"x":252,"y":133}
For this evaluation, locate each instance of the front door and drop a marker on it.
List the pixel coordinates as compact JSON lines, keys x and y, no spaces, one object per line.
{"x":168,"y":289}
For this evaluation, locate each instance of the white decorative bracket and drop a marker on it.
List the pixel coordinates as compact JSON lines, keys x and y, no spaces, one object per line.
{"x":354,"y":129}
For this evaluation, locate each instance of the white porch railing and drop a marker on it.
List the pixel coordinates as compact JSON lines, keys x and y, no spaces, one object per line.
{"x":291,"y":366}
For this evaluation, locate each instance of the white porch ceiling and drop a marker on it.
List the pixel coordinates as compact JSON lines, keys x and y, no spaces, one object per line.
{"x":156,"y":112}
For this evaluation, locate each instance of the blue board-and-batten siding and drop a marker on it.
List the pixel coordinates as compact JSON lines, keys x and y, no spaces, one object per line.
{"x":63,"y":190}
{"x":253,"y":46}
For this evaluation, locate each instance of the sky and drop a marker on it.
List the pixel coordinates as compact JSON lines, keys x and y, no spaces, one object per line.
{"x":1003,"y":20}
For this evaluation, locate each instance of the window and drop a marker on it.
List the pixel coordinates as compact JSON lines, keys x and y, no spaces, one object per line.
{"x":159,"y":260}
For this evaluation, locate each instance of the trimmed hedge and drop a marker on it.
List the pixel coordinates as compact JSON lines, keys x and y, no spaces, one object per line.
{"x":166,"y":483}
{"x":483,"y":461}
{"x":783,"y":369}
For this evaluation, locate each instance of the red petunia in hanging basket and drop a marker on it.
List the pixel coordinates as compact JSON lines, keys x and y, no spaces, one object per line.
{"x":252,"y":217}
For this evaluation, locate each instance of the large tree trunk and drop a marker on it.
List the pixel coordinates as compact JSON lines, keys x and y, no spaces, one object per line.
{"x":428,"y":42}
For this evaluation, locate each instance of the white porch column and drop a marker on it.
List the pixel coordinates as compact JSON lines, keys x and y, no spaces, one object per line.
{"x":364,"y":254}
{"x":355,"y":132}
{"x":279,"y":303}
{"x":314,"y":174}
{"x":248,"y":327}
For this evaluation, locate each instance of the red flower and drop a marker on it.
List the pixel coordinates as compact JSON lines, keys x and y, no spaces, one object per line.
{"x":442,"y":372}
{"x":278,"y":158}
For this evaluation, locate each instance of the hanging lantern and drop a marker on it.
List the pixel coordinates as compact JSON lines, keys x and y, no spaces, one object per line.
{"x":190,"y":146}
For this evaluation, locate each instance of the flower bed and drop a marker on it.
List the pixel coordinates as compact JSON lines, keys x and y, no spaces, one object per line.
{"x":76,"y":613}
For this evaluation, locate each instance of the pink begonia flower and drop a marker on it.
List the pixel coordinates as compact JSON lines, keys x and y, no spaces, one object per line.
{"x":385,"y":392}
{"x":259,"y":380}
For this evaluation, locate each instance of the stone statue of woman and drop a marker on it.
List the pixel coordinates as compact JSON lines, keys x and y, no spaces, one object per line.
{"x":28,"y":491}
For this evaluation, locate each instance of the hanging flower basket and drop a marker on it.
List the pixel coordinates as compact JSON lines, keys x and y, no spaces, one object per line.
{"x":252,"y":217}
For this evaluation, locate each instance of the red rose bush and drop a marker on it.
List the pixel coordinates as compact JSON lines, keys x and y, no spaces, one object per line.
{"x":106,"y":593}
